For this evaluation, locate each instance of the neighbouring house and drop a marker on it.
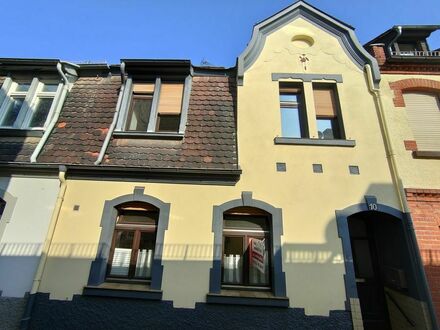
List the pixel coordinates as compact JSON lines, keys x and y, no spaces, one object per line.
{"x":263,"y":195}
{"x":410,"y":88}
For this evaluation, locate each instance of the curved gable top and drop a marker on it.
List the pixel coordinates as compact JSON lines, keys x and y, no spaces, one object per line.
{"x":344,"y":32}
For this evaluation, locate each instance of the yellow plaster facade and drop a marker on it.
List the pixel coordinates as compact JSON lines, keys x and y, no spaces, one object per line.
{"x":311,"y":249}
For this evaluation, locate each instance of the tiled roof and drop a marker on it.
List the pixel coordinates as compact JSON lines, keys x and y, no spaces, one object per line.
{"x":17,"y":149}
{"x":209,"y":141}
{"x":83,"y":123}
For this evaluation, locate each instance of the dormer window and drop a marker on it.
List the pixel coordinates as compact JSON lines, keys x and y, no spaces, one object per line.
{"x":157,"y":106}
{"x":27,"y":104}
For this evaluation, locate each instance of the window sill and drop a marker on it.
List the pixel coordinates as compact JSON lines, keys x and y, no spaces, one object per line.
{"x":315,"y":142}
{"x":426,"y":154}
{"x":123,"y":290}
{"x":248,"y":298}
{"x":148,"y":135}
{"x":21,"y":132}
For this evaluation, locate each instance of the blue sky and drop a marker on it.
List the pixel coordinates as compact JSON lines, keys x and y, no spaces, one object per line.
{"x":215,"y":31}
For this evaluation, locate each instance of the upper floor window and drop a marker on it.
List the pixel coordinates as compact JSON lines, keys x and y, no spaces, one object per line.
{"x":423,"y":110}
{"x":327,"y":121}
{"x":154,"y":107}
{"x":293,"y":115}
{"x":298,"y":121}
{"x":27,"y":104}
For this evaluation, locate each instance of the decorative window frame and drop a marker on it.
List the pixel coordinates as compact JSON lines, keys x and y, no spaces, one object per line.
{"x":30,"y":102}
{"x":98,"y":267}
{"x":278,"y":276}
{"x":126,"y":98}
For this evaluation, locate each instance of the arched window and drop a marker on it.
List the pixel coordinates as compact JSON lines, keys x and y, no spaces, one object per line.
{"x":247,"y":242}
{"x":134,"y":240}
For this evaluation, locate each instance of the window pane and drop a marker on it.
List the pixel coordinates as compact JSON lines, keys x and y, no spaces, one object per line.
{"x":50,"y":88}
{"x":246,"y":223}
{"x":138,"y":218}
{"x":12,"y":111}
{"x":139,"y":114}
{"x":41,"y":111}
{"x":259,"y":262}
{"x":22,"y":87}
{"x":168,"y":123}
{"x":290,"y":125}
{"x":325,"y":129}
{"x":288,"y":98}
{"x":122,"y":254}
{"x":233,"y":260}
{"x":144,"y":260}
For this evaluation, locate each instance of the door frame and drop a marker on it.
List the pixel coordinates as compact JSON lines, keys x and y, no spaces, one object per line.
{"x":371,"y":205}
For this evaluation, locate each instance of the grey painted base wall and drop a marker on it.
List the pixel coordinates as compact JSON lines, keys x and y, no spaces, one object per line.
{"x":85,"y":312}
{"x":11,"y":311}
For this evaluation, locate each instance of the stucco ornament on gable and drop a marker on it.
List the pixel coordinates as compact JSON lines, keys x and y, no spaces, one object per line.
{"x":304,"y":46}
{"x":352,"y":50}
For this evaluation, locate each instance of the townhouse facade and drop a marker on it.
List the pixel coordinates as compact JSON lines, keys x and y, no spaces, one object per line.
{"x":155,"y":193}
{"x":410,"y":88}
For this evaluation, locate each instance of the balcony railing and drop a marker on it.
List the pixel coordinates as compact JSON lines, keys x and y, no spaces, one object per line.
{"x":417,"y":53}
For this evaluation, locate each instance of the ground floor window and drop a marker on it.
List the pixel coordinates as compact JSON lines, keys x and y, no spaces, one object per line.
{"x":133,"y":244}
{"x":246,"y":248}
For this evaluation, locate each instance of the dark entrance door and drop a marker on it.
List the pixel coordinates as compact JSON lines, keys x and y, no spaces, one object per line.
{"x":369,"y":282}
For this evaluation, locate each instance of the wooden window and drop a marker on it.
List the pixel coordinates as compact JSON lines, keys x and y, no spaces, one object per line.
{"x":326,"y":109}
{"x":423,"y":110}
{"x":170,"y":107}
{"x":246,"y":249}
{"x":134,"y":239}
{"x":293,"y":116}
{"x":140,"y":107}
{"x":166,"y":108}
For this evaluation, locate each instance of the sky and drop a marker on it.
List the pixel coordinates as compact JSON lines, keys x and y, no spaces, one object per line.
{"x":212,"y":31}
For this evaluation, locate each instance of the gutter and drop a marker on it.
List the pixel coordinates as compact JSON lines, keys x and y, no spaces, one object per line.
{"x":24,"y":323}
{"x":115,"y":118}
{"x":423,"y":287}
{"x":399,"y":33}
{"x":62,"y":97}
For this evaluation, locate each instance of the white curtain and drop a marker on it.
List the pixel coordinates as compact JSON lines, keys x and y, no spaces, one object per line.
{"x":232,"y":268}
{"x":144,"y":263}
{"x":121,"y":262}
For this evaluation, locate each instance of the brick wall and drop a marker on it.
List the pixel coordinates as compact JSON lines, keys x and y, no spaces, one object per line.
{"x":412,"y":84}
{"x":425,"y":210}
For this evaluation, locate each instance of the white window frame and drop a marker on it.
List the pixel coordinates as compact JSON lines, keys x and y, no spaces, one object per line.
{"x":34,"y":93}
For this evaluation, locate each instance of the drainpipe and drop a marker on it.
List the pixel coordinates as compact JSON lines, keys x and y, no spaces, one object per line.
{"x":423,"y":287}
{"x":115,"y":118}
{"x":399,"y":33}
{"x":59,"y":105}
{"x":24,"y":323}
